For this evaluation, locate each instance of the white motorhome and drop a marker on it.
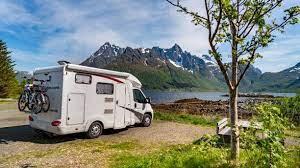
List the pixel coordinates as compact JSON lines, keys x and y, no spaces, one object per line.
{"x":85,"y":99}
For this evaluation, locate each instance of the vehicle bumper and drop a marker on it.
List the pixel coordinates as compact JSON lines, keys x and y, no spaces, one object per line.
{"x":46,"y":126}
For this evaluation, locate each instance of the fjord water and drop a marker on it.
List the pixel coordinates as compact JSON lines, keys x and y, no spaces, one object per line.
{"x":170,"y":96}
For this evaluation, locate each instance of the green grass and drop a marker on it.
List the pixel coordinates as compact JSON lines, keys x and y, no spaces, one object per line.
{"x":203,"y":155}
{"x":124,"y":145}
{"x":187,"y":118}
{"x":176,"y":156}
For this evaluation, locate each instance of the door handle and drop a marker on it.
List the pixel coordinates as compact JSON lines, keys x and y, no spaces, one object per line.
{"x":135,"y":105}
{"x":68,"y":118}
{"x":69,"y":99}
{"x":117,"y":102}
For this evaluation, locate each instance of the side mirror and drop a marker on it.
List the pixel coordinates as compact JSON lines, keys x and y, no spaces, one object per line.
{"x":148,"y":100}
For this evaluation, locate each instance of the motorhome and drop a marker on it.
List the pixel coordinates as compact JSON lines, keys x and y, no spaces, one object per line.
{"x":86,"y":99}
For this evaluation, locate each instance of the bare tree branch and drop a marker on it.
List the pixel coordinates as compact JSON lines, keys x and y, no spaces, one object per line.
{"x":184,"y":9}
{"x":252,"y":57}
{"x":218,"y":21}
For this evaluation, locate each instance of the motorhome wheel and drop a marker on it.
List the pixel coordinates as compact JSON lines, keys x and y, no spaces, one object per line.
{"x":146,"y":120}
{"x":95,"y":130}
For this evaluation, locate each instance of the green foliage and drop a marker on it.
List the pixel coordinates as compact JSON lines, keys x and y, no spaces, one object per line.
{"x":8,"y":82}
{"x":212,"y":140}
{"x":186,"y":118}
{"x":244,"y":26}
{"x":290,"y":107}
{"x":270,"y":143}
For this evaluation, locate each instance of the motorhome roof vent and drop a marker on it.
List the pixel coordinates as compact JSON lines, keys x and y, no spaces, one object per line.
{"x":62,"y":62}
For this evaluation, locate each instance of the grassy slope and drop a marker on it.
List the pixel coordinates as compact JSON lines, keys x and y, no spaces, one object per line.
{"x":187,"y":119}
{"x":162,"y":78}
{"x":203,"y":155}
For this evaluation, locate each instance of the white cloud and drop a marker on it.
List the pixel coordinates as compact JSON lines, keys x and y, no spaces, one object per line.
{"x":12,"y":13}
{"x":72,"y":30}
{"x":26,"y":60}
{"x":281,"y":54}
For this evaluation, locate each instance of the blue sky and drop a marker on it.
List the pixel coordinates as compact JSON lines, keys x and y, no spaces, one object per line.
{"x":39,"y":33}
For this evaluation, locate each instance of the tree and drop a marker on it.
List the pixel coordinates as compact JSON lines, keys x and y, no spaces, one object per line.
{"x":8,"y":83}
{"x":242,"y":27}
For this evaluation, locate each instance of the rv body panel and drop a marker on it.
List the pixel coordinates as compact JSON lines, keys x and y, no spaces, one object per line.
{"x":82,"y":95}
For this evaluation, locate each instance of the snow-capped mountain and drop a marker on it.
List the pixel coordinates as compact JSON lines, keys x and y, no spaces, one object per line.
{"x":107,"y":53}
{"x":294,"y":69}
{"x":104,"y":55}
{"x":167,"y":67}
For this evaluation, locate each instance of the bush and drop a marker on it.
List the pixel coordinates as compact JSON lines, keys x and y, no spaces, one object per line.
{"x":267,"y":150}
{"x":290,"y":107}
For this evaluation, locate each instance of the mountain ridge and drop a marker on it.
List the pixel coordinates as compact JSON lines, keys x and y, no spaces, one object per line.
{"x":180,"y":68}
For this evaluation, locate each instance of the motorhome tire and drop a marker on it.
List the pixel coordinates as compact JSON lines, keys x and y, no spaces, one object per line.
{"x":146,"y":120}
{"x":95,"y":130}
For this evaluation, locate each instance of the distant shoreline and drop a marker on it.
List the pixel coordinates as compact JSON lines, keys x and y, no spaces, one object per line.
{"x":255,"y":95}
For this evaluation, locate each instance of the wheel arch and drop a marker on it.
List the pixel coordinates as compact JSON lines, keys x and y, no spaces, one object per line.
{"x":91,"y":122}
{"x":150,"y":113}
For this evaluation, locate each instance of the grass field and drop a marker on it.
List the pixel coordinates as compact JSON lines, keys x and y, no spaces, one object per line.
{"x":187,"y":118}
{"x":160,"y":145}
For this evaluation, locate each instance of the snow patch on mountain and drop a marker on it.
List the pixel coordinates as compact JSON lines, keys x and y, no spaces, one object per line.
{"x":208,"y":60}
{"x":174,"y":63}
{"x":296,"y":69}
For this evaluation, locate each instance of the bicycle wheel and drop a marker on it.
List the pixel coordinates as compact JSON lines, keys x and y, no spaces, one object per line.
{"x":46,"y":103}
{"x":37,"y":103}
{"x":22,"y":102}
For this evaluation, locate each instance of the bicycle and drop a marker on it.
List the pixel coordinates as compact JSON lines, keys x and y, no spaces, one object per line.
{"x":25,"y":97}
{"x":34,"y":97}
{"x":41,"y":99}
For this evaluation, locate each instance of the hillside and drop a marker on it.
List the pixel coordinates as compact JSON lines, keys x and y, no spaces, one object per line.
{"x":287,"y":80}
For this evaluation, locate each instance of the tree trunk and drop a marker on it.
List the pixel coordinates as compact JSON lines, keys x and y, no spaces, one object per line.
{"x":235,"y":144}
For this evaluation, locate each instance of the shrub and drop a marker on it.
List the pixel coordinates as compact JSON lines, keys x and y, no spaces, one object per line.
{"x":290,"y":107}
{"x":267,"y":150}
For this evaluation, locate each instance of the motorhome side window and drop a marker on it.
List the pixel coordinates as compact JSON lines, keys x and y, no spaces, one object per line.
{"x":105,"y":88}
{"x":83,"y":79}
{"x":138,"y":96}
